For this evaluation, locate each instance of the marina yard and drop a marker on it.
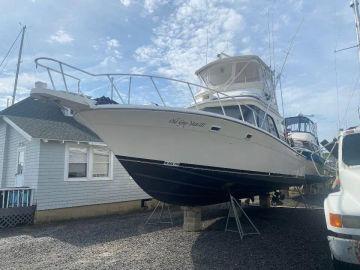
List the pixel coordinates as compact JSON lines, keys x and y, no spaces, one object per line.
{"x":290,"y":239}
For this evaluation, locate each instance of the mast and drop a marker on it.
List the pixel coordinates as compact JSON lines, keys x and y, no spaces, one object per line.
{"x":355,"y":6}
{"x":18,"y":64}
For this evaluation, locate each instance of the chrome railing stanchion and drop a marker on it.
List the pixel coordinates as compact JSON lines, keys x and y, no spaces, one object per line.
{"x":63,"y":76}
{"x":111,"y":79}
{"x":157,"y":90}
{"x":51,"y":79}
{"x":129,"y":90}
{"x":78,"y":87}
{"x":117,"y":92}
{"x":222,"y":108}
{"x":192,"y":94}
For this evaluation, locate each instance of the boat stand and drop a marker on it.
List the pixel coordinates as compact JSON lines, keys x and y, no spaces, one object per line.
{"x":236,"y":211}
{"x":307,"y":206}
{"x":161,"y":207}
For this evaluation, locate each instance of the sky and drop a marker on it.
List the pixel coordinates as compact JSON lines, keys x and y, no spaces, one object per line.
{"x":175,"y":38}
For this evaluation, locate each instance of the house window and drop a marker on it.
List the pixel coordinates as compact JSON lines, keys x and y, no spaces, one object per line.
{"x":88,"y":162}
{"x":78,"y":162}
{"x":101,"y":162}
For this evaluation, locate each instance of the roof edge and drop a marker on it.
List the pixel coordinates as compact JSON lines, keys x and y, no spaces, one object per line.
{"x":17,"y":128}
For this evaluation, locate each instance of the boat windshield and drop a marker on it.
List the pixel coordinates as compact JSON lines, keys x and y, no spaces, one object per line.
{"x":300,"y":124}
{"x":236,"y":72}
{"x":351,"y":149}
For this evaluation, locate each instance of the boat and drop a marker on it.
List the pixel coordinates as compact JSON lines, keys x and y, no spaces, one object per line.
{"x":301,"y":132}
{"x":229,"y":139}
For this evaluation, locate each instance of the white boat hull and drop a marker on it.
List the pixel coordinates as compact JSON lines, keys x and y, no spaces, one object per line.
{"x":189,"y":157}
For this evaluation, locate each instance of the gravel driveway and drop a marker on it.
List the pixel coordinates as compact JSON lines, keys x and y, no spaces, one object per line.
{"x":290,"y":239}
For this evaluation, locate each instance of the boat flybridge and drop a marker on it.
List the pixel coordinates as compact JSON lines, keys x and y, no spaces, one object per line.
{"x":227,"y":139}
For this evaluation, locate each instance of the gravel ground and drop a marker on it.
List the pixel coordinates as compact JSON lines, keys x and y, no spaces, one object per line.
{"x":290,"y":239}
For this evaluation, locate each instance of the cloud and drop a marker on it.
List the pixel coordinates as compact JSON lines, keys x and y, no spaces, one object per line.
{"x":179,"y":45}
{"x":112,"y":43}
{"x":126,"y":3}
{"x":25,"y":83}
{"x":151,"y":5}
{"x":61,"y":37}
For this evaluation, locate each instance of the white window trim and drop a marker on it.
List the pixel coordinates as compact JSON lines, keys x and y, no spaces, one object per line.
{"x":89,"y":168}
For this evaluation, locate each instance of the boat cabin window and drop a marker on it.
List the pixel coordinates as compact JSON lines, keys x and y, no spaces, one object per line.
{"x":249,"y":72}
{"x":252,"y":115}
{"x":351,"y":149}
{"x":272,"y":126}
{"x":232,"y":111}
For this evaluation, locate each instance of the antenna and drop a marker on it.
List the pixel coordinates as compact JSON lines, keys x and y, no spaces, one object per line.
{"x":269,"y":37}
{"x":18,"y":64}
{"x":207,"y":33}
{"x":355,"y":6}
{"x":288,"y":52}
{"x":207,"y":44}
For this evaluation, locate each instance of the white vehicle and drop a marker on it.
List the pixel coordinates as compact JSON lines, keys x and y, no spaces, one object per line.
{"x":342,"y":208}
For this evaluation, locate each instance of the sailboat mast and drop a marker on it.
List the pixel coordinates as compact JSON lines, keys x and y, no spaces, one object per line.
{"x":18,"y":65}
{"x":355,"y":6}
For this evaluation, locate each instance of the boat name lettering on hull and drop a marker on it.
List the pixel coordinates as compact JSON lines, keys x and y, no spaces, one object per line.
{"x":184,"y":123}
{"x":170,"y":163}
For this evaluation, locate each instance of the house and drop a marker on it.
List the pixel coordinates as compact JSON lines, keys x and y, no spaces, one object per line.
{"x":69,"y":170}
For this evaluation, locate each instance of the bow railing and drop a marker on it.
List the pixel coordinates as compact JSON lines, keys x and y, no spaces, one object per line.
{"x":69,"y":73}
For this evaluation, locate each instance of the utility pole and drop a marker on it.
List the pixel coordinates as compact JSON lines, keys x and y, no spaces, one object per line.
{"x":355,"y":6}
{"x":18,"y":64}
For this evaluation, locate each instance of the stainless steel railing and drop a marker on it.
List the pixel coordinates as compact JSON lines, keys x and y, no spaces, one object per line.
{"x":53,"y":66}
{"x":16,"y":197}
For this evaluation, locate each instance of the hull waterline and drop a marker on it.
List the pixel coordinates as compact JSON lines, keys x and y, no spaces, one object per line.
{"x":193,"y":185}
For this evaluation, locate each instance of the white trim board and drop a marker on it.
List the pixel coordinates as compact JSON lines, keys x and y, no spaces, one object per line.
{"x":17,"y":128}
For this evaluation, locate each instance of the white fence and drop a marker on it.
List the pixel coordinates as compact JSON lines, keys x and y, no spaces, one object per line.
{"x":16,"y":197}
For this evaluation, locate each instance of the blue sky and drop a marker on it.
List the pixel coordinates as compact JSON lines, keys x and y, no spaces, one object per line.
{"x":169,"y":38}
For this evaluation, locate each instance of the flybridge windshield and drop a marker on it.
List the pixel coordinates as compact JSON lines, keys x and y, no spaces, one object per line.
{"x":351,"y":149}
{"x":239,"y":72}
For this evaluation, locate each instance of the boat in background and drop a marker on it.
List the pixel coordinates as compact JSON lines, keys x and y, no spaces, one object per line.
{"x":301,"y":133}
{"x":228,"y":140}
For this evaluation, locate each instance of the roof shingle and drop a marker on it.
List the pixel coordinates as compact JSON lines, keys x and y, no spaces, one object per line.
{"x":45,"y":120}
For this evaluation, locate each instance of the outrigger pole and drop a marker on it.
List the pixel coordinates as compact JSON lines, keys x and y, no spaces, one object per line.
{"x":18,"y":64}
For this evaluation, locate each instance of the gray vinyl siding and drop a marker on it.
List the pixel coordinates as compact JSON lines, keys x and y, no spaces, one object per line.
{"x":54,"y":192}
{"x":2,"y":150}
{"x":31,"y":166}
{"x":14,"y":140}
